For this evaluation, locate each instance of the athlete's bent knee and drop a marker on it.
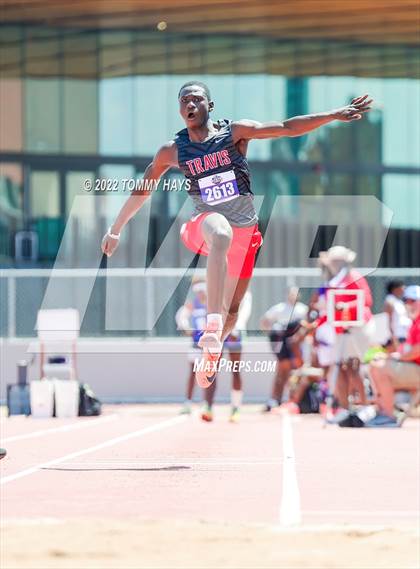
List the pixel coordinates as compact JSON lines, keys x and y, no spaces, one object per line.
{"x":221,"y":239}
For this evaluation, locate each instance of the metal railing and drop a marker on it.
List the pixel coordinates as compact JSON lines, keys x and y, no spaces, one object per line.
{"x":23,"y":293}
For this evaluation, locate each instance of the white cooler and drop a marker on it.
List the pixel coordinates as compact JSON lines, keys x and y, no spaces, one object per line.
{"x":67,"y":397}
{"x":42,"y":398}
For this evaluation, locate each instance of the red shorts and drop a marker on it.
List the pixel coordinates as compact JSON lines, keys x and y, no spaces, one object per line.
{"x":241,"y":254}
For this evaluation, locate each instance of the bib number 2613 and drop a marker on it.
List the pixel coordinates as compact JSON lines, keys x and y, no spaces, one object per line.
{"x":219,"y":188}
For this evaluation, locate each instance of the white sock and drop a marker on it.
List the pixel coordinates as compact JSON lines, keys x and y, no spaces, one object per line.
{"x":215,"y":319}
{"x":236,"y":398}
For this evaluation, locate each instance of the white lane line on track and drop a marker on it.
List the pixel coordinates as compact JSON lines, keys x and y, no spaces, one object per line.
{"x":290,"y":513}
{"x":364,"y":513}
{"x":64,"y":428}
{"x":190,"y":460}
{"x":111,"y":442}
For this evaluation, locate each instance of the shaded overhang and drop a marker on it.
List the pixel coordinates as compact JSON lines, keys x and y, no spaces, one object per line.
{"x":371,"y":38}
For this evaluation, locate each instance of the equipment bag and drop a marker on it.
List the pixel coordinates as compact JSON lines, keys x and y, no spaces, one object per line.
{"x":311,"y":400}
{"x":89,"y":404}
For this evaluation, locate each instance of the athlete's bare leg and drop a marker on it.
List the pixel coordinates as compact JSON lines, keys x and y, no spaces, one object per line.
{"x":236,"y":375}
{"x":236,"y":380}
{"x":342,"y":388}
{"x":234,"y":292}
{"x":283,"y":369}
{"x":224,"y":293}
{"x":217,"y":233}
{"x":236,"y":393}
{"x":235,"y":289}
{"x":186,"y":409}
{"x":348,"y":383}
{"x":356,"y":386}
{"x":190,"y":383}
{"x":209,"y":394}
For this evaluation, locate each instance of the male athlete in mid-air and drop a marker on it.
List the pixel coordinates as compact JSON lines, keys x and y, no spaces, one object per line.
{"x":224,"y":227}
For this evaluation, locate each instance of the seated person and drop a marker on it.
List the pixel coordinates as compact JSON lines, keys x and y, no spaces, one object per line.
{"x":398,"y":370}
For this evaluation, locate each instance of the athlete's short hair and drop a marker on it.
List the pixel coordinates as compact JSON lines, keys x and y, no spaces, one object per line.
{"x":392,"y":285}
{"x":199,"y":84}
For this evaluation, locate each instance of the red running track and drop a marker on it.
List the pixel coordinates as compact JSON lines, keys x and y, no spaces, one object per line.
{"x":147,"y":462}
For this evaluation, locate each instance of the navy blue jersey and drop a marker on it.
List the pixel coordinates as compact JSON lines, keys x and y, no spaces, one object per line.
{"x":219,"y":175}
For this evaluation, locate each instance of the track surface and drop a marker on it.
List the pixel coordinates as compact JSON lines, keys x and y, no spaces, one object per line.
{"x":147,"y":463}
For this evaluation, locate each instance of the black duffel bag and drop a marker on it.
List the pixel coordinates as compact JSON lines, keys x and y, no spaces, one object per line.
{"x":89,"y":404}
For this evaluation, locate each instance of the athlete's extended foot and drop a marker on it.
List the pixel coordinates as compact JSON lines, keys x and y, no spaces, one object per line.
{"x":3,"y":453}
{"x":210,"y":340}
{"x":207,"y":414}
{"x":234,"y":416}
{"x":207,"y":369}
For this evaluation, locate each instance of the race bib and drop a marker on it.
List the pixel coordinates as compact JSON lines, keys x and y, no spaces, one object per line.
{"x":218,"y":188}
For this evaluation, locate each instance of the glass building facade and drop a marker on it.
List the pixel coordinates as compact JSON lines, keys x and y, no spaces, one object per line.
{"x":77,"y":105}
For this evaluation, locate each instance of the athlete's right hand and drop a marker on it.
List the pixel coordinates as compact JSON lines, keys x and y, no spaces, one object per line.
{"x":109,"y":244}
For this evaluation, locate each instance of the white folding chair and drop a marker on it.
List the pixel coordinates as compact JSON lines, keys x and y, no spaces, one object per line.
{"x":58,"y":331}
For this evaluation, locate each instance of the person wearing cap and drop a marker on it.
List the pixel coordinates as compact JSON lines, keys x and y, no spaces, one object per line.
{"x":398,"y":370}
{"x":351,"y":342}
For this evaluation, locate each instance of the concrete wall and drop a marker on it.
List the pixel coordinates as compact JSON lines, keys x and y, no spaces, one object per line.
{"x":127,"y":370}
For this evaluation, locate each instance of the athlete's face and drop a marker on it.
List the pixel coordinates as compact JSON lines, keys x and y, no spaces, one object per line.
{"x":194,"y":106}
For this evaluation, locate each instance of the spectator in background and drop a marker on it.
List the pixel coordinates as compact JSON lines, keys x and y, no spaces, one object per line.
{"x":399,"y":321}
{"x":351,"y":343}
{"x":399,"y":370}
{"x":282,"y":321}
{"x":191,"y":319}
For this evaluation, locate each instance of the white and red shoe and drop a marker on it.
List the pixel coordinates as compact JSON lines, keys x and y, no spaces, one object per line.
{"x":211,"y":339}
{"x":207,"y":370}
{"x":212,"y":347}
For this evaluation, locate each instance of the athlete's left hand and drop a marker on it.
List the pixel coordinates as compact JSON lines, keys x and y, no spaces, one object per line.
{"x":354,"y":111}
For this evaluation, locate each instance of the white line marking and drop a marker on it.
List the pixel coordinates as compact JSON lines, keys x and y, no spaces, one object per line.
{"x":197,"y":460}
{"x":64,"y":428}
{"x":290,"y":514}
{"x":345,"y":528}
{"x":364,"y":513}
{"x":111,"y":442}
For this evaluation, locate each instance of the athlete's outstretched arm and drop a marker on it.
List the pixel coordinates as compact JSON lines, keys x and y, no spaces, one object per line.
{"x":165,"y":158}
{"x":296,"y":126}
